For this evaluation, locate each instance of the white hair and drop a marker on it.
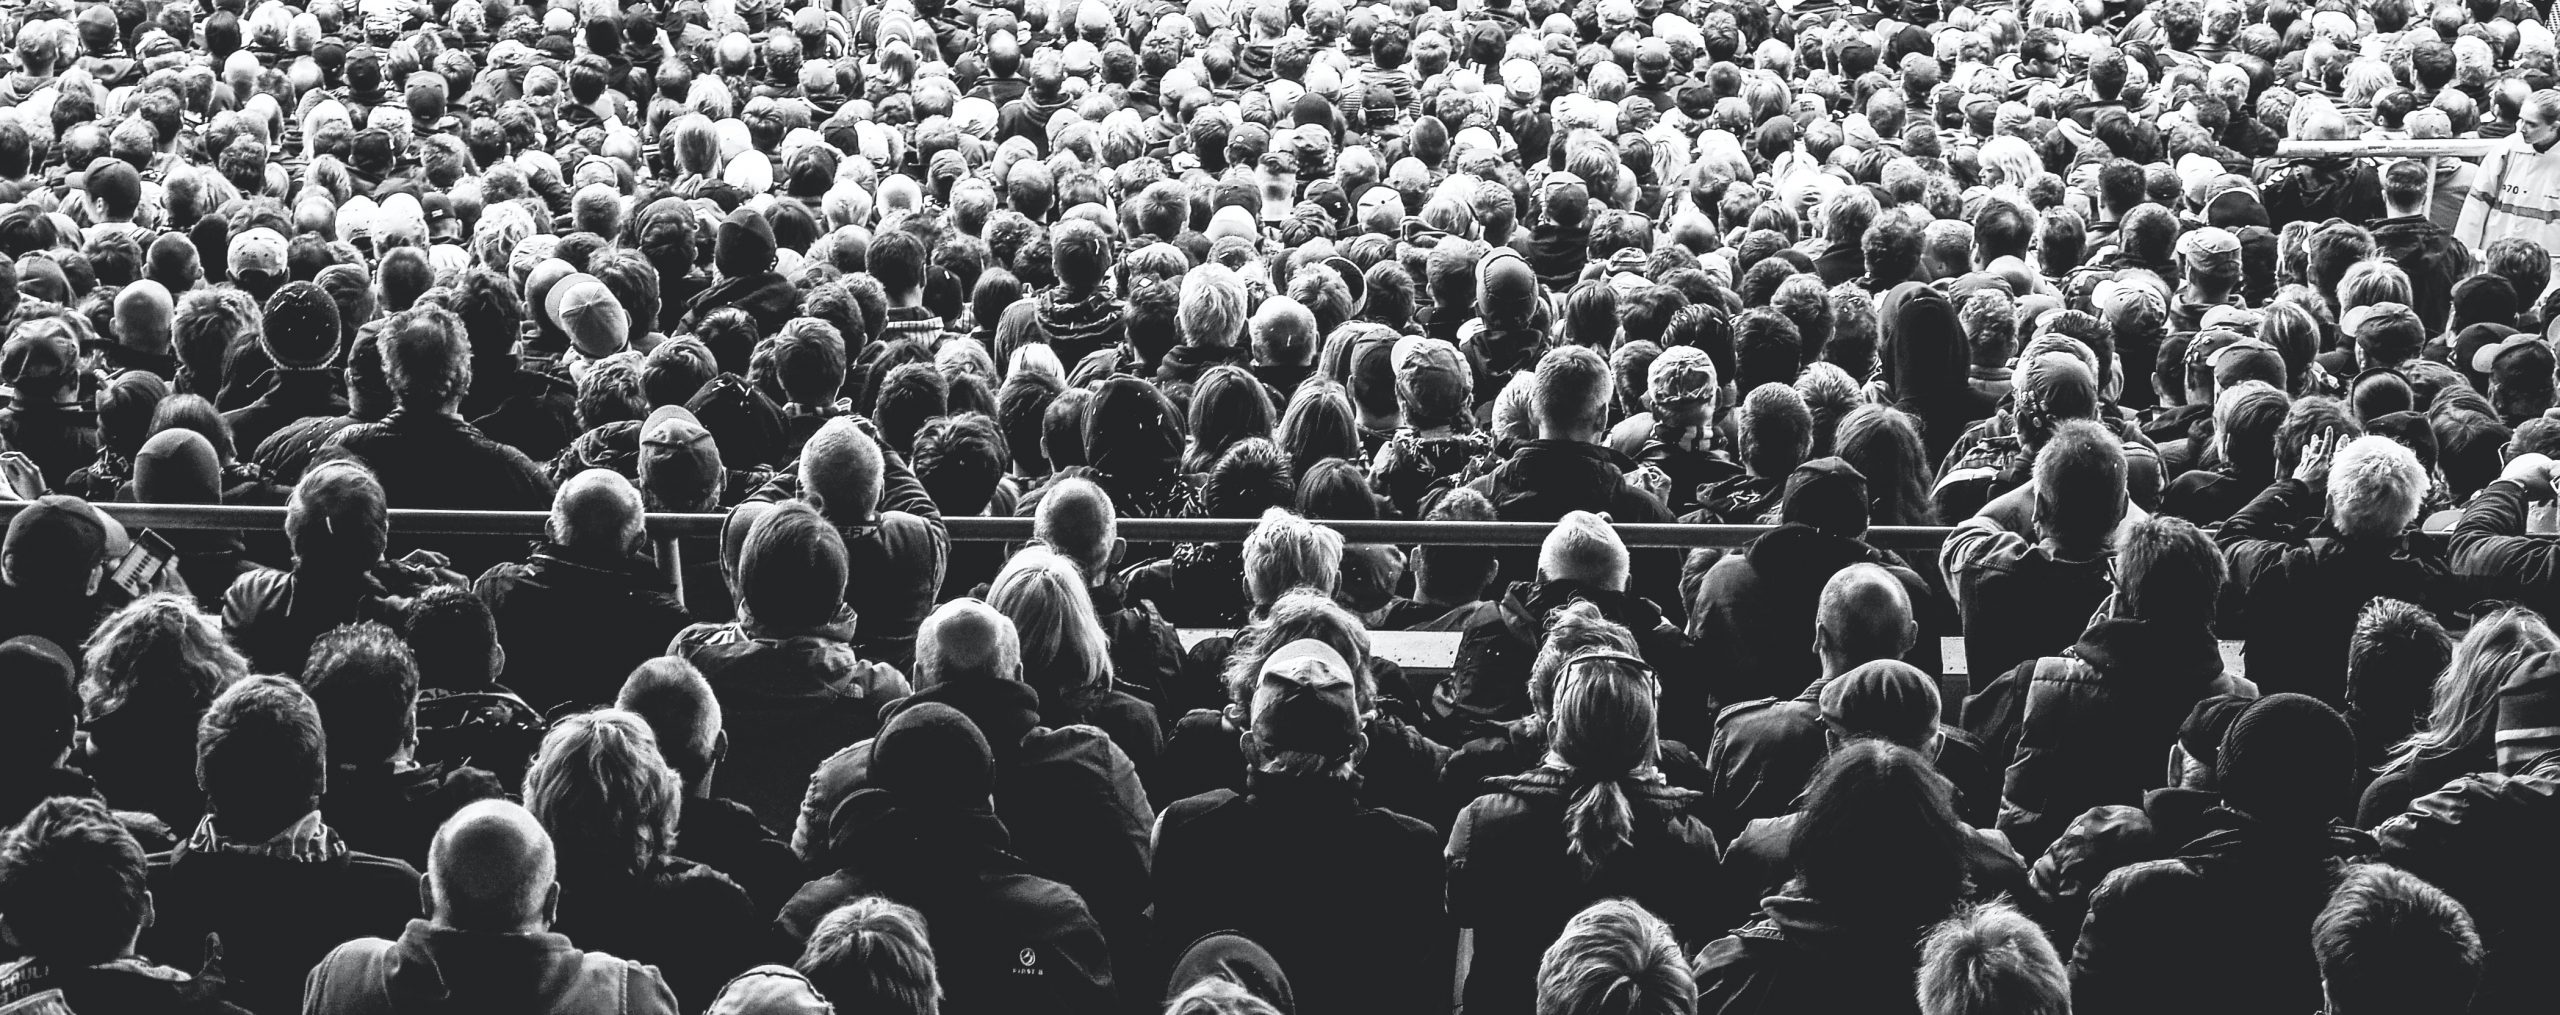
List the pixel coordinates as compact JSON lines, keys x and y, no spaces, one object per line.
{"x":2375,"y":487}
{"x":966,"y":639}
{"x":1582,"y":546}
{"x":1286,"y":551}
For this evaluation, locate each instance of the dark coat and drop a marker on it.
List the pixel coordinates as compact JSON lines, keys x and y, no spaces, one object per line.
{"x":276,"y":916}
{"x":1798,"y":959}
{"x":787,"y":703}
{"x":725,"y":836}
{"x":2493,"y":556}
{"x":2313,"y":190}
{"x":297,"y":396}
{"x":1760,"y":863}
{"x":896,"y":560}
{"x":1544,"y":479}
{"x":2095,"y":724}
{"x":766,"y":296}
{"x":526,"y":406}
{"x":2484,"y":839}
{"x":1765,"y":754}
{"x":272,"y":616}
{"x":690,"y":922}
{"x":2238,"y":899}
{"x":431,"y":460}
{"x":1363,"y":937}
{"x":1754,"y":614}
{"x":58,"y":439}
{"x":131,"y":986}
{"x":1401,"y":772}
{"x":1489,"y":680}
{"x":1512,"y":882}
{"x":1517,"y":747}
{"x":574,"y":629}
{"x":2019,"y":601}
{"x":429,"y":971}
{"x":143,"y":758}
{"x":2299,"y":601}
{"x":2433,"y":259}
{"x":395,"y":813}
{"x":2390,"y":794}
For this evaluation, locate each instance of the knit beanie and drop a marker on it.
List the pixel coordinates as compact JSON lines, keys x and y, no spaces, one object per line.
{"x":1885,"y":698}
{"x":744,"y":245}
{"x":301,"y":327}
{"x":177,"y":466}
{"x":2289,"y":759}
{"x":1506,"y":288}
{"x":593,"y":319}
{"x":1829,"y":495}
{"x":931,"y":755}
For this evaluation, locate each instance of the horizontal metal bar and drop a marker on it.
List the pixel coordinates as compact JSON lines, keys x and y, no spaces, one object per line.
{"x":2383,"y":148}
{"x":413,"y":522}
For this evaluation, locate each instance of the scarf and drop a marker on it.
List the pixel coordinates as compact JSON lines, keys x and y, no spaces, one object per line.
{"x":309,"y":840}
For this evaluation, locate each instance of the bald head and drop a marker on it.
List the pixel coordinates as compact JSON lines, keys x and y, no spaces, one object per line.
{"x":596,"y":510}
{"x":1076,"y":519}
{"x":146,"y":318}
{"x":840,"y":472}
{"x":966,"y":640}
{"x":1865,"y":615}
{"x":491,"y":869}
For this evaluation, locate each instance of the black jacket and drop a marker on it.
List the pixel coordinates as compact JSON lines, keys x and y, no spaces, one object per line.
{"x":296,"y":396}
{"x":431,"y":460}
{"x":725,"y":836}
{"x":143,"y":758}
{"x":272,"y":616}
{"x":1799,"y":958}
{"x":58,"y":439}
{"x":2433,"y":259}
{"x":1754,"y":613}
{"x":130,"y":986}
{"x":1760,"y":862}
{"x":2236,"y":901}
{"x":1226,"y":861}
{"x":1766,"y":752}
{"x":1489,"y":680}
{"x":2299,"y":601}
{"x":1512,"y":882}
{"x":2493,"y":556}
{"x":787,"y":703}
{"x":276,"y":916}
{"x":691,"y":922}
{"x":2483,"y":838}
{"x":768,"y":297}
{"x":395,"y":813}
{"x":574,"y":629}
{"x":1401,"y":772}
{"x":433,"y":971}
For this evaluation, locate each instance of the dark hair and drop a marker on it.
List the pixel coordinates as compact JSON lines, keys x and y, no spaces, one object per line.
{"x":912,"y":394}
{"x":453,"y":640}
{"x":261,"y":757}
{"x":73,"y":883}
{"x":1767,"y":348}
{"x":365,"y":682}
{"x":2390,"y":942}
{"x":1879,"y":842}
{"x":959,"y":459}
{"x":1249,"y":479}
{"x":1336,"y":490}
{"x":792,"y":572}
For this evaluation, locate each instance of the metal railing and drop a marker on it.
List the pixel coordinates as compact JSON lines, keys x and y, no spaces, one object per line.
{"x":417,"y":522}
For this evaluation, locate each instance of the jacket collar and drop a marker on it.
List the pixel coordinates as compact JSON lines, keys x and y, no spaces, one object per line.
{"x":1005,"y":710}
{"x":2156,"y":652}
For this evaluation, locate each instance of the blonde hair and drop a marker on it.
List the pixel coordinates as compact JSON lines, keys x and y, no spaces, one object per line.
{"x":158,"y":646}
{"x":1990,"y":960}
{"x":2375,"y":487}
{"x":1063,"y":645}
{"x":875,"y":956}
{"x":2464,"y":715}
{"x":1615,"y":959}
{"x":1285,"y":552}
{"x":608,"y":798}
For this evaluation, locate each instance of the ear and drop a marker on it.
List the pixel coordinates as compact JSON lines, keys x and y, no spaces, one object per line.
{"x":1235,"y":715}
{"x":551,"y":905}
{"x":1119,"y":549}
{"x":720,"y":748}
{"x":97,"y":575}
{"x":151,"y":907}
{"x":427,"y":896}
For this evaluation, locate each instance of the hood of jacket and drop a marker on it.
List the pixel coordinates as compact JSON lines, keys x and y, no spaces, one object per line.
{"x":1795,"y":551}
{"x":1636,"y":612}
{"x":2155,"y":653}
{"x":468,"y":968}
{"x":1005,"y":711}
{"x":1547,"y":477}
{"x":550,"y":567}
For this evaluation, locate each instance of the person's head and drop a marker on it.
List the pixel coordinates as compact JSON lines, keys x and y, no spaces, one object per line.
{"x":2462,"y":710}
{"x":1571,"y":397}
{"x":74,"y":885}
{"x":2288,"y":761}
{"x":1603,"y":728}
{"x":365,"y":682}
{"x":872,"y":955}
{"x":2080,"y":487}
{"x":1285,"y":551}
{"x":1076,"y":519}
{"x":792,"y":570}
{"x":59,"y":545}
{"x":600,"y":787}
{"x":2390,"y":942}
{"x":1864,"y":614}
{"x":960,"y":459}
{"x":1584,"y":548}
{"x":1991,"y":960}
{"x":1879,"y":842}
{"x":2168,"y":572}
{"x":2376,"y":487}
{"x":1064,"y":649}
{"x":2538,"y":120}
{"x":672,"y":697}
{"x":841,"y":472}
{"x":964,"y":641}
{"x":597,"y":514}
{"x":492,"y":869}
{"x":1615,"y":958}
{"x":427,"y":359}
{"x":1445,"y":573}
{"x":261,"y":758}
{"x":454,"y":640}
{"x":1775,"y":430}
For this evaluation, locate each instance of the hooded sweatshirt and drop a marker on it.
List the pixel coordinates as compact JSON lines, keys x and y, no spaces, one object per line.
{"x":432,"y":970}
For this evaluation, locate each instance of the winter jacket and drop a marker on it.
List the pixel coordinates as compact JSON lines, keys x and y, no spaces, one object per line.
{"x":531,"y":406}
{"x":574,"y":628}
{"x":1412,"y":467}
{"x":2516,"y":193}
{"x":896,"y":560}
{"x":1489,"y":680}
{"x":435,"y":971}
{"x":1557,"y":253}
{"x":58,"y":439}
{"x":277,"y":912}
{"x":1072,"y":801}
{"x":1517,"y":747}
{"x":1394,"y":959}
{"x":143,"y":758}
{"x":1511,"y":881}
{"x":2018,"y":599}
{"x":395,"y":812}
{"x":272,"y":616}
{"x":2299,"y":602}
{"x":2492,"y":555}
{"x":1401,"y":772}
{"x":766,"y":296}
{"x":126,"y":986}
{"x":2484,"y":839}
{"x":1760,"y":863}
{"x":1798,"y":959}
{"x":787,"y":702}
{"x":2433,"y":260}
{"x":690,"y":922}
{"x":1766,"y":752}
{"x":432,"y":460}
{"x":1754,"y":613}
{"x":2095,"y":724}
{"x":2239,"y":900}
{"x":2314,"y":190}
{"x":725,"y":836}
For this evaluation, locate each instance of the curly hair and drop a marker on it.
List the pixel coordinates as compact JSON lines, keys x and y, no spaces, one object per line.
{"x":608,"y":798}
{"x":157,"y":647}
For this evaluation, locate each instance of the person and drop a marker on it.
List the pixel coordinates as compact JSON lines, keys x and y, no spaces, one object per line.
{"x":1076,"y":518}
{"x":1583,"y":559}
{"x":874,"y":955}
{"x":338,"y":525}
{"x":2456,"y":836}
{"x":2020,"y":595}
{"x":713,"y":831}
{"x":926,"y":836}
{"x":792,"y":688}
{"x":2489,"y":549}
{"x":1991,"y":959}
{"x":1615,"y":957}
{"x":180,"y":466}
{"x":1304,"y":746}
{"x":2086,"y":728}
{"x":380,"y":798}
{"x":299,"y":332}
{"x":492,"y":891}
{"x":53,"y":564}
{"x":2299,"y":602}
{"x":589,"y":605}
{"x":39,"y":720}
{"x":1596,"y":819}
{"x":1879,"y":858}
{"x":2244,"y":892}
{"x":2388,"y":941}
{"x":2459,"y":735}
{"x":2406,"y":237}
{"x":893,"y":535}
{"x":1071,"y":798}
{"x":610,"y":803}
{"x":2398,"y":654}
{"x":41,"y":361}
{"x":425,"y":454}
{"x":73,"y":899}
{"x":1757,"y":609}
{"x":262,"y":888}
{"x":2510,"y":194}
{"x":1566,"y":468}
{"x":1066,"y":654}
{"x":1449,"y":581}
{"x":151,"y":670}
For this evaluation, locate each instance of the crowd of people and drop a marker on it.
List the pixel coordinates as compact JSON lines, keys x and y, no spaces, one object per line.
{"x":2091,"y":283}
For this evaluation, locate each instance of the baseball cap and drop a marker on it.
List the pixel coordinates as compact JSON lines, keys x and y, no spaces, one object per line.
{"x":2210,"y":243}
{"x":59,"y":531}
{"x":40,"y":357}
{"x":2488,"y":355}
{"x":259,"y":250}
{"x":1307,"y":702}
{"x":1683,"y":373}
{"x":2246,"y":360}
{"x":769,"y":990}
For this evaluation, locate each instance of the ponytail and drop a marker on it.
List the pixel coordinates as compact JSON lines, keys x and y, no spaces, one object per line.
{"x":1605,"y":739}
{"x":1599,"y":823}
